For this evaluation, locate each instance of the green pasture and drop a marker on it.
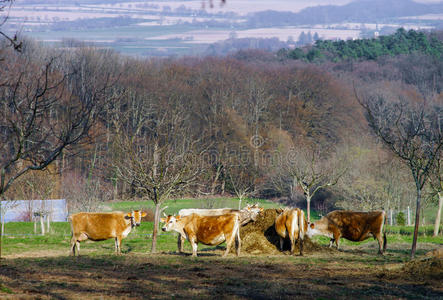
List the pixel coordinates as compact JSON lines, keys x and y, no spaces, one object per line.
{"x":20,"y":237}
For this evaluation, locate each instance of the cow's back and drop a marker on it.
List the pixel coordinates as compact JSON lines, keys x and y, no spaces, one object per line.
{"x":98,"y":226}
{"x":204,"y":212}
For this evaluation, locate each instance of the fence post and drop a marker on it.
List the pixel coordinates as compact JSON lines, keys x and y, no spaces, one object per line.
{"x":42,"y":224}
{"x":409,"y":216}
{"x":390,"y":217}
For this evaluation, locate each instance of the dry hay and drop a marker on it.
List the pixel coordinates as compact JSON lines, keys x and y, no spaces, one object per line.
{"x":259,"y":237}
{"x":430,"y":267}
{"x":438,"y":253}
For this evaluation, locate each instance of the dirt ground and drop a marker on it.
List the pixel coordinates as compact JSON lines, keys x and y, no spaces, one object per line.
{"x":354,"y":272}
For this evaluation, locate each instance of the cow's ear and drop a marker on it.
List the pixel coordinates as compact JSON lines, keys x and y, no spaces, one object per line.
{"x":144,"y":214}
{"x":177,"y":217}
{"x":128,"y":216}
{"x":163,"y":220}
{"x":312,"y":225}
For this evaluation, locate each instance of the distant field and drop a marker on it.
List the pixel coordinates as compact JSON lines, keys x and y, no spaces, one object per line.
{"x":157,"y":27}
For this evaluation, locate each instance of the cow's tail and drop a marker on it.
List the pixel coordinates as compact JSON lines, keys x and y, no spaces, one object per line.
{"x":72,"y":227}
{"x":385,"y":240}
{"x":237,"y":234}
{"x":301,"y":223}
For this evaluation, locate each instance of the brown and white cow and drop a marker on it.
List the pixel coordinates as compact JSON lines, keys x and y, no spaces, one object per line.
{"x":291,"y":223}
{"x":247,"y":214}
{"x":102,"y":226}
{"x":351,"y":225}
{"x":208,"y":230}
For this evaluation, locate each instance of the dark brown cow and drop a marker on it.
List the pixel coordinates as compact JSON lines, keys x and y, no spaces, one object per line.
{"x":103,"y":226}
{"x":209,"y":230}
{"x":351,"y":225}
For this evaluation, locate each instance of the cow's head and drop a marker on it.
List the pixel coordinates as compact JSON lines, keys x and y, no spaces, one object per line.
{"x":311,"y":230}
{"x":254,"y":210}
{"x":170,"y":222}
{"x":135,"y":216}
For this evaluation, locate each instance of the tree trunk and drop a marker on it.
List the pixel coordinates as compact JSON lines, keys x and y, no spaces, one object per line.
{"x":1,"y":227}
{"x":48,"y":224}
{"x":214,"y":182}
{"x":417,"y":223}
{"x":438,"y":218}
{"x":42,"y":224}
{"x":155,"y":231}
{"x":308,"y":206}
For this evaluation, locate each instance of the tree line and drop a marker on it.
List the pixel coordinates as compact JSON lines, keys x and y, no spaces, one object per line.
{"x":402,"y":42}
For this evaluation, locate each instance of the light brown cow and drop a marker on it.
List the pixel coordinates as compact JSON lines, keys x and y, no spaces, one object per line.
{"x":291,"y":223}
{"x":208,"y":230}
{"x":102,"y":226}
{"x":247,"y":214}
{"x":351,"y":225}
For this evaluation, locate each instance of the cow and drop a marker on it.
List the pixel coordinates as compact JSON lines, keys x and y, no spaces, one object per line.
{"x":351,"y":225}
{"x":247,"y":214}
{"x":102,"y":226}
{"x":291,"y":223}
{"x":208,"y":230}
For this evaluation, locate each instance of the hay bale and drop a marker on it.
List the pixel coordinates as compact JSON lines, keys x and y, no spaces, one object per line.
{"x":431,"y":267}
{"x":260,"y":237}
{"x":438,"y":253}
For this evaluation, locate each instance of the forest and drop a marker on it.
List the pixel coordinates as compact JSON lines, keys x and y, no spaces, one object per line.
{"x":402,"y":42}
{"x":254,"y":124}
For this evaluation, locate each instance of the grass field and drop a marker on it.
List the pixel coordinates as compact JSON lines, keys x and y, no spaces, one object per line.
{"x":40,"y":267}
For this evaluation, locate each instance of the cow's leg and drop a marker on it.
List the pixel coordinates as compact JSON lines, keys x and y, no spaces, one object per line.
{"x":116,"y":245}
{"x":180,"y":242}
{"x":238,"y":242}
{"x":337,"y":241}
{"x":292,"y":239}
{"x":331,"y":242}
{"x":229,"y":240}
{"x":281,"y":243}
{"x":380,"y":244}
{"x":194,"y":246}
{"x":301,"y":245}
{"x":73,"y":244}
{"x":119,"y":244}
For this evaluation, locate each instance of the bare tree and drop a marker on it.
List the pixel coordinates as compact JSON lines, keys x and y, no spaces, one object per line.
{"x":4,"y":7}
{"x":436,"y":184}
{"x":410,"y":128}
{"x":310,"y":167}
{"x":241,"y":182}
{"x":155,"y":156}
{"x":45,"y":110}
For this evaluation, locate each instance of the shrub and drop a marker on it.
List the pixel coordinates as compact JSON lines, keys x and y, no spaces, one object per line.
{"x":401,"y":220}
